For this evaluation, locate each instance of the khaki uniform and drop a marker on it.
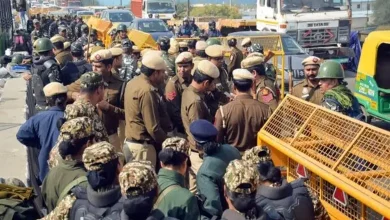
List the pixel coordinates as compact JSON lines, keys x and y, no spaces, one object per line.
{"x":63,"y":57}
{"x":144,"y":114}
{"x":303,"y":89}
{"x":193,"y":107}
{"x":115,"y":112}
{"x":267,"y":93}
{"x":239,"y":121}
{"x":235,"y":61}
{"x":173,"y":95}
{"x":196,"y":60}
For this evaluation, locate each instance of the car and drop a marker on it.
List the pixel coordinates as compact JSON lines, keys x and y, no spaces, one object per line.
{"x":118,"y":16}
{"x":291,"y":48}
{"x":154,"y":26}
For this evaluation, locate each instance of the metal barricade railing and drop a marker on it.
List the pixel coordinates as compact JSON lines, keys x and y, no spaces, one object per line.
{"x":346,"y":161}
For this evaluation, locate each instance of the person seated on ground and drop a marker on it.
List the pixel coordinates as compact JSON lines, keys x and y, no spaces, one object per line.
{"x":77,"y":134}
{"x":241,"y":181}
{"x":139,"y":186}
{"x":174,"y":199}
{"x":280,"y":199}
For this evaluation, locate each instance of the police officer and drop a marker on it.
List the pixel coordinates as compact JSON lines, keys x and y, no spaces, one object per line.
{"x":194,"y":28}
{"x":37,"y":32}
{"x":129,"y":62}
{"x":231,"y":120}
{"x":77,"y":135}
{"x":77,"y":52}
{"x":241,"y":181}
{"x":62,"y":56}
{"x":216,"y":157}
{"x":62,"y":30}
{"x":117,"y":61}
{"x":83,"y":39}
{"x":164,"y":44}
{"x":77,"y":29}
{"x":183,"y":46}
{"x":44,"y":71}
{"x":215,"y":55}
{"x":185,"y":29}
{"x":255,"y":48}
{"x":309,"y":88}
{"x":245,"y":44}
{"x":175,"y":87}
{"x":337,"y":97}
{"x":192,"y":46}
{"x":200,"y":48}
{"x":212,"y":31}
{"x":265,"y":90}
{"x":111,"y":106}
{"x":122,"y":32}
{"x":174,"y":199}
{"x":193,"y":107}
{"x":236,"y":57}
{"x":102,"y":197}
{"x":143,"y":106}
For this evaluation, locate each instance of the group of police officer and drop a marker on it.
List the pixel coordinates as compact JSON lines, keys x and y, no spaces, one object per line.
{"x":158,"y":106}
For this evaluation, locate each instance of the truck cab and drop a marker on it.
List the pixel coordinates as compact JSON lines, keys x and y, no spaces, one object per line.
{"x":162,"y":9}
{"x":312,"y":23}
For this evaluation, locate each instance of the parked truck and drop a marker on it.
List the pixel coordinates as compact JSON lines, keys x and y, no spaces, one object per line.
{"x":163,"y":9}
{"x":321,"y":26}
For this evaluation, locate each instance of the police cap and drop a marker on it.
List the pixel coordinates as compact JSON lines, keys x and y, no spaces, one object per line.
{"x":203,"y":131}
{"x":91,"y":80}
{"x":101,"y":55}
{"x":183,"y":58}
{"x":54,"y":88}
{"x":241,"y":177}
{"x":208,"y":68}
{"x":177,"y":144}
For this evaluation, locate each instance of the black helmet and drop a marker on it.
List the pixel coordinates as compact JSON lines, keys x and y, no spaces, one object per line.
{"x":211,"y":23}
{"x":256,"y":48}
{"x":121,"y":27}
{"x":94,"y":32}
{"x":76,"y":48}
{"x":126,"y":43}
{"x":192,"y":44}
{"x":232,"y":42}
{"x":203,"y":36}
{"x":164,"y":43}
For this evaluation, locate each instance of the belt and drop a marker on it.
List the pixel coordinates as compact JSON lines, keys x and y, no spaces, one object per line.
{"x":195,"y":151}
{"x":139,"y":141}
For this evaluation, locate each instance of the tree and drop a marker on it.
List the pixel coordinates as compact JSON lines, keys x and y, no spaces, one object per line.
{"x":223,"y":11}
{"x":382,"y":12}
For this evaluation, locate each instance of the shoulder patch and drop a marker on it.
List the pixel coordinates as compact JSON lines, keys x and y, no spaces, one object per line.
{"x":170,"y":95}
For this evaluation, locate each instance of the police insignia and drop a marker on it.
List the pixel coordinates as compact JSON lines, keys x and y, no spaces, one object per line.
{"x":98,"y":57}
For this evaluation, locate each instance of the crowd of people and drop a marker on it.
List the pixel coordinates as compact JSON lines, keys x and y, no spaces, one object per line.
{"x":163,"y":134}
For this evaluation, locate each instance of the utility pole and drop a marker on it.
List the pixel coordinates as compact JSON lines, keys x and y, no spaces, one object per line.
{"x":188,"y":8}
{"x":121,"y":2}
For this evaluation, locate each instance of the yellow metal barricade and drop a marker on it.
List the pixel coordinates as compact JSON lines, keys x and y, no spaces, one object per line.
{"x":347,"y":161}
{"x":102,"y":27}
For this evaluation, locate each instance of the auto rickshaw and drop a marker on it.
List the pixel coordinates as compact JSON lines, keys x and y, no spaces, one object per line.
{"x":372,"y":88}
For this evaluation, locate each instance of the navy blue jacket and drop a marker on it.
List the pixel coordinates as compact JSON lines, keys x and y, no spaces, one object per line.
{"x":41,"y":131}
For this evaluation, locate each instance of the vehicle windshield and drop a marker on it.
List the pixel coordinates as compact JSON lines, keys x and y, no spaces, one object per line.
{"x":152,"y":26}
{"x":160,"y":7}
{"x":305,"y":6}
{"x":291,"y":47}
{"x":85,"y":13}
{"x":120,"y":17}
{"x":74,"y":3}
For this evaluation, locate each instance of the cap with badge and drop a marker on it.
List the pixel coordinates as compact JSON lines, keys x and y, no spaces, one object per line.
{"x":54,"y":88}
{"x":214,"y":51}
{"x":241,"y":177}
{"x":203,"y":131}
{"x":252,"y":61}
{"x":183,"y":44}
{"x":95,"y":156}
{"x":246,"y":42}
{"x":311,"y":60}
{"x":116,"y":51}
{"x":91,"y":80}
{"x":201,"y":45}
{"x":208,"y":68}
{"x":257,"y":154}
{"x":177,"y":144}
{"x":101,"y":55}
{"x":184,"y":58}
{"x":94,"y":49}
{"x":57,"y":38}
{"x":153,"y":61}
{"x":137,"y":178}
{"x":77,"y":128}
{"x":242,"y":75}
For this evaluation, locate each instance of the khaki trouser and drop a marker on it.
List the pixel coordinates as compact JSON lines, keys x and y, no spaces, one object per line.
{"x":121,"y":132}
{"x":142,"y":151}
{"x":114,"y":140}
{"x":196,"y":162}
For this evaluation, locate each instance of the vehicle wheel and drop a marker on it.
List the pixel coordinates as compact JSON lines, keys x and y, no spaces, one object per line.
{"x":367,"y":117}
{"x":265,"y":29}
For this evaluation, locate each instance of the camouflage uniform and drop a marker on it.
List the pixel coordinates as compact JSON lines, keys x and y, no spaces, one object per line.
{"x":129,"y":67}
{"x":240,"y":172}
{"x":81,"y":108}
{"x":256,"y":155}
{"x":12,"y":182}
{"x":171,"y":70}
{"x":94,"y":157}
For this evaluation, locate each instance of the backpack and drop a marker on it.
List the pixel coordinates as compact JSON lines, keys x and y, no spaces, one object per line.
{"x":17,"y":203}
